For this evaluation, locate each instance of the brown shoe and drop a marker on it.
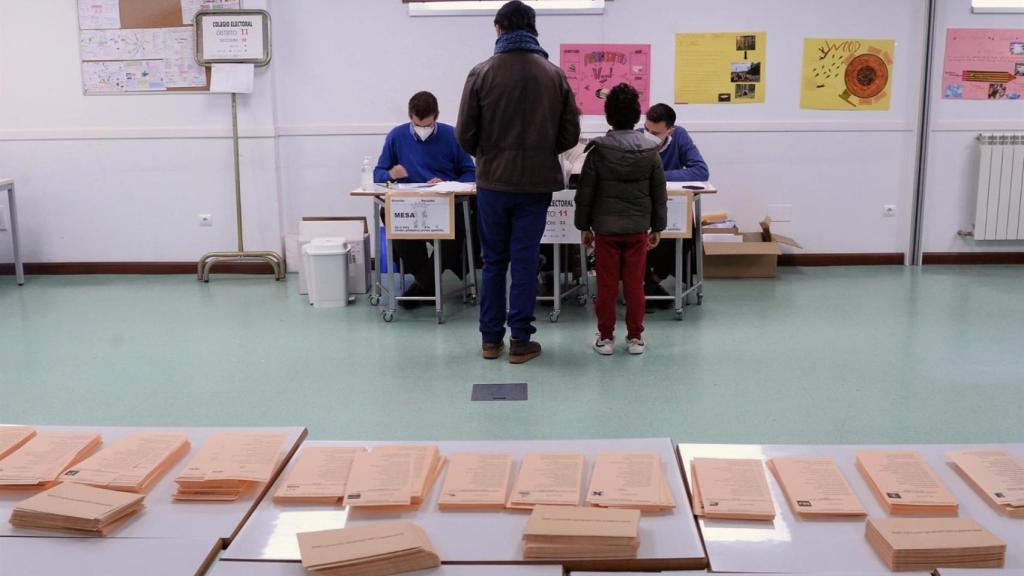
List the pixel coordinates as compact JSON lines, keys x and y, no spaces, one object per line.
{"x":520,"y":352}
{"x":493,"y":350}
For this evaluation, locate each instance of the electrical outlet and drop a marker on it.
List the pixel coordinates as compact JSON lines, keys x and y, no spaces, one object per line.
{"x":3,"y":218}
{"x":205,"y":220}
{"x":889,"y":211}
{"x":780,"y":212}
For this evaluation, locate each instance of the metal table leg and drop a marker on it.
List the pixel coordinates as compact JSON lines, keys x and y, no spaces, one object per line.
{"x":680,"y":279}
{"x":698,"y":246}
{"x":438,"y":296}
{"x":556,"y":250}
{"x":375,"y":291}
{"x":473,"y":285}
{"x":389,"y":312}
{"x":584,"y":277}
{"x":19,"y":270}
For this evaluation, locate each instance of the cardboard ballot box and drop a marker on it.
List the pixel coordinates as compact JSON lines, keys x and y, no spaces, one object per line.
{"x":756,"y":256}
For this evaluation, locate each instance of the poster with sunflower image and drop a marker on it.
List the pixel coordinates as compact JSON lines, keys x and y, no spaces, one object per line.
{"x":847,"y":74}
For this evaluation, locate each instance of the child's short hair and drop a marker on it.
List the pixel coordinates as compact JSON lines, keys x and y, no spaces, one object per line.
{"x":622,"y":107}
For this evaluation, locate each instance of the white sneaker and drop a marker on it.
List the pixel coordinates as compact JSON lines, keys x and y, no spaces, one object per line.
{"x":636,"y":346}
{"x":603,"y":347}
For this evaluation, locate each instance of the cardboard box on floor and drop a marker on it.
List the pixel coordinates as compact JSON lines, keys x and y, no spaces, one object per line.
{"x":355,"y":231}
{"x":756,"y":257}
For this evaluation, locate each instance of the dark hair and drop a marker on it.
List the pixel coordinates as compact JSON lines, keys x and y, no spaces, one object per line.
{"x":423,"y":105}
{"x":515,"y":16}
{"x":622,"y":108}
{"x":662,"y":113}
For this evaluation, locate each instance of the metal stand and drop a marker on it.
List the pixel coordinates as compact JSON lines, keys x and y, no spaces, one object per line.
{"x":564,"y":279}
{"x":273,"y":258}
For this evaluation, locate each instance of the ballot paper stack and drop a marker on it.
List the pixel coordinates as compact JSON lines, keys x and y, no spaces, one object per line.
{"x":77,"y":508}
{"x":995,"y":474}
{"x":571,"y":533}
{"x":630,"y":480}
{"x":733,"y":489}
{"x":373,"y":550}
{"x":393,"y":478}
{"x":133,"y":464}
{"x":925,"y":544}
{"x":14,"y":437}
{"x":39,"y":462}
{"x":229,"y":464}
{"x":319,"y":476}
{"x":816,"y":488}
{"x":476,"y":482}
{"x":549,"y":480}
{"x":905,"y":484}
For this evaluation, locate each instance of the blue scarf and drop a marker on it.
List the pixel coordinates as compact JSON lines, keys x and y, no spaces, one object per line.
{"x":519,"y":41}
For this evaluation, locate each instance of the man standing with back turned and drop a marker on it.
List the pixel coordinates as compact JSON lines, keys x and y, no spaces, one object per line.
{"x":517,"y":115}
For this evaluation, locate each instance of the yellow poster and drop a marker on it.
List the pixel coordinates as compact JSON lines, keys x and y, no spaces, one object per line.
{"x":847,"y":74}
{"x":720,"y":68}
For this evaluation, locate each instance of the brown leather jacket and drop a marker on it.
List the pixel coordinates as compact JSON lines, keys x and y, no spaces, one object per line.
{"x":517,"y":115}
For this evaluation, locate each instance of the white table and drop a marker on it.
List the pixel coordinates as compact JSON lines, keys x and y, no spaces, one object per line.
{"x":978,"y":572}
{"x":668,"y":541}
{"x":19,"y":270}
{"x":234,"y":568}
{"x":790,"y":544}
{"x":106,"y":556}
{"x":162,"y":517}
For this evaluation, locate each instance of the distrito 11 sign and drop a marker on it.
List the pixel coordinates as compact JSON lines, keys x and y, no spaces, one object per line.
{"x":233,"y":36}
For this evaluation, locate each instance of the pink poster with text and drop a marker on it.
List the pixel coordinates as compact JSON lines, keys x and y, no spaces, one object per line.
{"x":983,"y":64}
{"x":594,"y":69}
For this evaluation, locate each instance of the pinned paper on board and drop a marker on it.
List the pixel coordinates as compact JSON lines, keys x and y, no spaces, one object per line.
{"x":123,"y":76}
{"x":720,"y":68}
{"x":983,"y":64}
{"x":594,"y":69}
{"x":190,"y":7}
{"x":99,"y":14}
{"x":847,"y":74}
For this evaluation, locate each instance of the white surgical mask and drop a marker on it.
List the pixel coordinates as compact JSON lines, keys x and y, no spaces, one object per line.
{"x":423,"y":132}
{"x":652,"y":138}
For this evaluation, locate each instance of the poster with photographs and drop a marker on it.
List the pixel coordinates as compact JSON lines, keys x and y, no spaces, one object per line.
{"x":594,"y":69}
{"x":849,"y":74}
{"x":720,"y":68}
{"x":983,"y":64}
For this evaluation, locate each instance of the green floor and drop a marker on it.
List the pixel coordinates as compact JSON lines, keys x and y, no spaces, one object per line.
{"x":833,"y":355}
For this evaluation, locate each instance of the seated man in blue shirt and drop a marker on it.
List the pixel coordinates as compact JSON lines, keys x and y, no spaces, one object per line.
{"x":424,"y":150}
{"x":682,"y":162}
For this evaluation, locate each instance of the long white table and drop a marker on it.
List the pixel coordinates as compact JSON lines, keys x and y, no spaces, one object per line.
{"x":162,"y":517}
{"x":667,"y":541}
{"x":977,"y":572}
{"x":19,"y":270}
{"x":790,"y":544}
{"x":224,"y":568}
{"x":106,"y":556}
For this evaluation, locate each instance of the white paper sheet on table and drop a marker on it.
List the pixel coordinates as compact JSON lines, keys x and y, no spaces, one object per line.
{"x":237,"y":78}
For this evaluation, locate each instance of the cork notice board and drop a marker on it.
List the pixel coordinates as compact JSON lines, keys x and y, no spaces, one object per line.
{"x":141,"y":46}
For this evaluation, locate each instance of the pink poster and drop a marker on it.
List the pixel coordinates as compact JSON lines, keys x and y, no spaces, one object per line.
{"x":594,"y":69}
{"x":983,"y":64}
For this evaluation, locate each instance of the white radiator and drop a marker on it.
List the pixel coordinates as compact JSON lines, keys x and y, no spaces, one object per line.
{"x":1000,"y":210}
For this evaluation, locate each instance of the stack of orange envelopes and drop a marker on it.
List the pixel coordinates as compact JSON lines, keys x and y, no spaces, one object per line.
{"x":77,"y":508}
{"x":133,"y":464}
{"x":229,"y":464}
{"x":41,"y":460}
{"x":734,"y":489}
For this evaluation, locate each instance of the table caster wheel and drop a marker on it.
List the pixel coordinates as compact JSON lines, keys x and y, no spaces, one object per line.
{"x":581,"y":300}
{"x":553,"y":316}
{"x":700,"y":299}
{"x":387,"y":315}
{"x":679,"y":314}
{"x":374,"y":300}
{"x":440,"y":318}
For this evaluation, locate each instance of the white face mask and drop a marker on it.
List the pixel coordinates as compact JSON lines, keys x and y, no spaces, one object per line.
{"x":423,"y":132}
{"x":652,"y":138}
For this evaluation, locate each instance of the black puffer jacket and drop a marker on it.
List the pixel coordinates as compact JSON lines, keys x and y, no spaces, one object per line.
{"x":622,"y":186}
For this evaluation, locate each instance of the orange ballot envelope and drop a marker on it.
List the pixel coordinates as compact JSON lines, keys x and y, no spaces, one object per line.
{"x":569,"y":532}
{"x":924,"y":544}
{"x":815,"y":487}
{"x":319,"y":476}
{"x":395,"y":478}
{"x":996,"y":474}
{"x":476,"y":482}
{"x":229,"y":463}
{"x":14,"y":437}
{"x":630,"y":480}
{"x":734,"y":489}
{"x":45,"y":457}
{"x":552,"y":479}
{"x":132,"y":464}
{"x":427,"y":464}
{"x":905,"y":484}
{"x":77,"y":507}
{"x":372,"y":550}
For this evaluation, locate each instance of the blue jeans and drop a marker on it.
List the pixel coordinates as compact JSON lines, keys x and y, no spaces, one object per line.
{"x":511,"y":225}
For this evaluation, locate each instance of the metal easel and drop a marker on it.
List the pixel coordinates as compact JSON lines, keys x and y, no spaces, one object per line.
{"x":241,"y":255}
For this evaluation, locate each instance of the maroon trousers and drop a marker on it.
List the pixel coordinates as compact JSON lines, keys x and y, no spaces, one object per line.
{"x":620,"y":257}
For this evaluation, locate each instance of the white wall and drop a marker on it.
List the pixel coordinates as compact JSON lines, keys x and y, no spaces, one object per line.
{"x":953,"y":152}
{"x":123,"y":178}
